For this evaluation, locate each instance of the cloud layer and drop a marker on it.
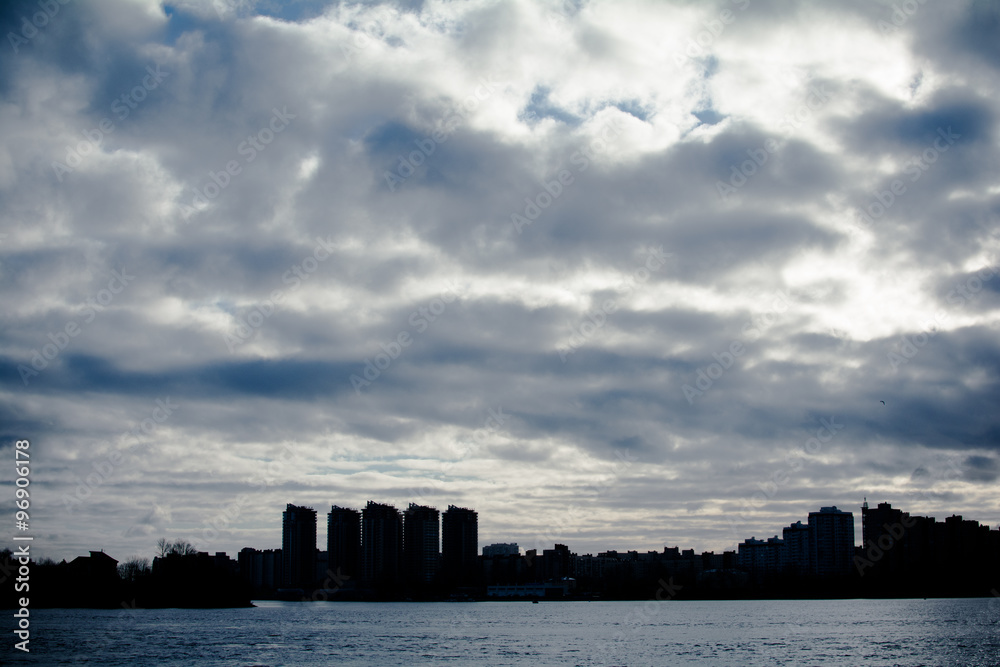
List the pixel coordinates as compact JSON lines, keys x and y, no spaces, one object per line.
{"x":617,"y":275}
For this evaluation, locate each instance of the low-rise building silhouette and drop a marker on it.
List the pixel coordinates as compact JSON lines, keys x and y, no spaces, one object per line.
{"x":501,"y":550}
{"x":260,"y":569}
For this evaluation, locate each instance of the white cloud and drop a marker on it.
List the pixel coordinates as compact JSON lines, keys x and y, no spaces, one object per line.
{"x":516,"y":93}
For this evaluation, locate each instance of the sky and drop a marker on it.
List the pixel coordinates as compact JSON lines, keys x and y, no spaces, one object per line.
{"x":617,"y":275}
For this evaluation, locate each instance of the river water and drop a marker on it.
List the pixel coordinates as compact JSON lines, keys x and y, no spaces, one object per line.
{"x":737,"y":633}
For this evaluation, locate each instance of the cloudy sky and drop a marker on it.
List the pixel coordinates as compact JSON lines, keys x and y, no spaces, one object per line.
{"x":617,"y":275}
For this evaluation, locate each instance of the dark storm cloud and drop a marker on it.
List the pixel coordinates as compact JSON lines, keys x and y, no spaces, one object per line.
{"x":887,"y":126}
{"x":981,"y":469}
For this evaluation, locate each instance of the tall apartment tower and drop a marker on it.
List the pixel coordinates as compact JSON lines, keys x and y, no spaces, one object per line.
{"x":874,"y":522}
{"x":460,"y":544}
{"x":832,"y":541}
{"x":381,"y":544}
{"x":421,"y":543}
{"x":343,"y":544}
{"x":298,"y":547}
{"x":798,"y":548}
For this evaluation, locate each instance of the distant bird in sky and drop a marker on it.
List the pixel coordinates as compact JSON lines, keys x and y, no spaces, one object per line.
{"x":882,"y":402}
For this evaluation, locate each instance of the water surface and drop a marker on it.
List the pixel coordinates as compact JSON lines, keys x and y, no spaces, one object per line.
{"x":728,"y":633}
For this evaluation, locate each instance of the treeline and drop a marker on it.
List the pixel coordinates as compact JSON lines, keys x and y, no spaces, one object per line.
{"x":179,"y":577}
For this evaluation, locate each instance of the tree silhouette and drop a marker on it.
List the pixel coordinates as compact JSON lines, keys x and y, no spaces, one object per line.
{"x":133,"y":568}
{"x":162,"y":547}
{"x":181,"y":548}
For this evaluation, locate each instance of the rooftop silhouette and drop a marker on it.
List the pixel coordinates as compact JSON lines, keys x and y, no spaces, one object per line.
{"x":381,"y":553}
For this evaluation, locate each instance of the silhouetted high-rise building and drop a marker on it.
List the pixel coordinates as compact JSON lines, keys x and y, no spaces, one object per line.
{"x":882,"y":529}
{"x":761,"y":557}
{"x":381,"y":544}
{"x":878,"y":521}
{"x":832,"y":541}
{"x":460,"y":544}
{"x":964,"y":543}
{"x":421,"y":543}
{"x":555,"y":563}
{"x":298,"y":547}
{"x":798,"y":548}
{"x":343,"y":544}
{"x":918,"y":543}
{"x":900,"y":549}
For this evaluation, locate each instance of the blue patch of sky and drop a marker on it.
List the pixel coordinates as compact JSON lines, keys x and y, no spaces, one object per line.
{"x":708,"y":116}
{"x":540,"y":107}
{"x":634,"y":108}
